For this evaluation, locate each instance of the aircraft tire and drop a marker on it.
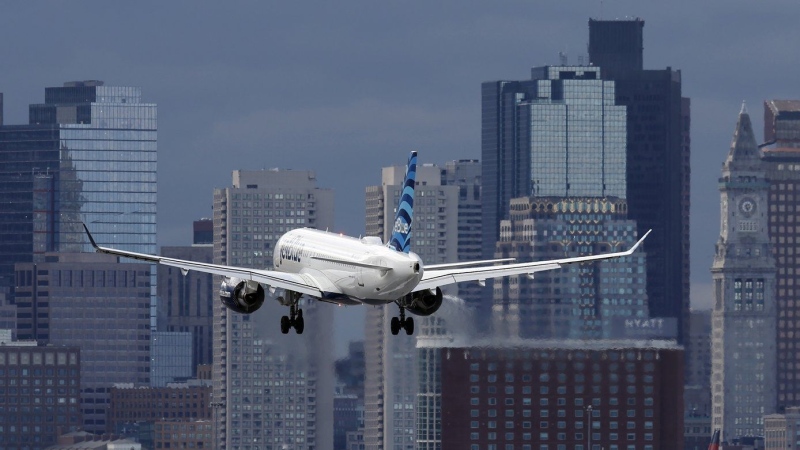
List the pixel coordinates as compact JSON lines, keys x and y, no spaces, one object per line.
{"x":409,"y":325}
{"x":299,"y":324}
{"x":395,"y":325}
{"x":285,"y":325}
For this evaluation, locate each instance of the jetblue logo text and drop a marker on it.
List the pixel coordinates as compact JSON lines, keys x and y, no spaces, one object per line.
{"x":400,"y":226}
{"x":292,"y":251}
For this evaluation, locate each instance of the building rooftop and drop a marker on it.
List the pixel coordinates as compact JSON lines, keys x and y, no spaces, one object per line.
{"x":545,"y":344}
{"x":784,"y":105}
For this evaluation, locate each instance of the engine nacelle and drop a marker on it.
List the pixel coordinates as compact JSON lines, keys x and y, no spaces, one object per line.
{"x":424,"y":303}
{"x":242,"y":296}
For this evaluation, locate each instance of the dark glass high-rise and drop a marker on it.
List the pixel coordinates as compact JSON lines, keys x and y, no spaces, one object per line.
{"x":87,"y":155}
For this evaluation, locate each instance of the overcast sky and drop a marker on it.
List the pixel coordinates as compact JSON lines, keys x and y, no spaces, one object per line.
{"x":345,"y":88}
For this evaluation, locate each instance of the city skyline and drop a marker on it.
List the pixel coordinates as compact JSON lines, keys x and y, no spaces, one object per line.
{"x":383,"y":94}
{"x":376,"y":81}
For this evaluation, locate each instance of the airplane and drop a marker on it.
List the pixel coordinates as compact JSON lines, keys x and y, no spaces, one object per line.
{"x":345,"y":270}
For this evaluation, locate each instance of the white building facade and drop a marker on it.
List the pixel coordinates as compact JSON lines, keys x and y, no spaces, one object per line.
{"x":270,"y":390}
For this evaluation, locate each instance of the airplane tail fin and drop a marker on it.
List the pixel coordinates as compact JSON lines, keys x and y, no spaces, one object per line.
{"x":401,"y":234}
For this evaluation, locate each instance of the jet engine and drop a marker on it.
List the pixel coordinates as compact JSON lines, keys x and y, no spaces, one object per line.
{"x":424,"y":303}
{"x":241,"y":296}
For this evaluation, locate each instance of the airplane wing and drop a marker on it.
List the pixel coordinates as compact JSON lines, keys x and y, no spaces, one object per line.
{"x":433,"y":278}
{"x":302,"y":283}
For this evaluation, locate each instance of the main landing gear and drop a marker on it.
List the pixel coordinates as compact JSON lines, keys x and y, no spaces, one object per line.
{"x":402,"y":322}
{"x":295,"y":317}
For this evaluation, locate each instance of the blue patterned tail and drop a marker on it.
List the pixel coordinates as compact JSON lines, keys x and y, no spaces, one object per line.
{"x":401,"y":234}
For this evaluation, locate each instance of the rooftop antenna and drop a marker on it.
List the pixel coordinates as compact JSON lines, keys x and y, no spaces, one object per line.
{"x":562,"y":57}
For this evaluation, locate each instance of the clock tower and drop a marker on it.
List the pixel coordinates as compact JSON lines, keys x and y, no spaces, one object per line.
{"x":743,"y":338}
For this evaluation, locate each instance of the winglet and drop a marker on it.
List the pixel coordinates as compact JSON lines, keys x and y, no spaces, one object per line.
{"x":91,"y":239}
{"x":637,"y":244}
{"x":401,"y":234}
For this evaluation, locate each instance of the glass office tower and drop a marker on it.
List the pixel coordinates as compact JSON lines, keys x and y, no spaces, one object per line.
{"x":658,"y":156}
{"x":575,"y":133}
{"x":559,"y":134}
{"x":107,"y":150}
{"x":87,"y":155}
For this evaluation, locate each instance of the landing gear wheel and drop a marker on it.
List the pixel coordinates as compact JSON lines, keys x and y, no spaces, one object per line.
{"x":295,"y":317}
{"x":408,"y":325}
{"x":285,"y":325}
{"x":395,"y":325}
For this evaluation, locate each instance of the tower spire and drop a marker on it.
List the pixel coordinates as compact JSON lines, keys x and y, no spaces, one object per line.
{"x":744,"y":149}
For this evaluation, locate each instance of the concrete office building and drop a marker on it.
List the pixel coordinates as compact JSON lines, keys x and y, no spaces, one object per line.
{"x":743,"y":343}
{"x":40,"y":394}
{"x":782,"y":431}
{"x":446,"y":212}
{"x":657,"y":160}
{"x":176,"y":402}
{"x":698,"y":383}
{"x":87,"y":155}
{"x":582,"y":301}
{"x":183,"y":434}
{"x":93,"y":302}
{"x":82,"y":440}
{"x":536,"y":394}
{"x":781,"y":159}
{"x":270,"y":389}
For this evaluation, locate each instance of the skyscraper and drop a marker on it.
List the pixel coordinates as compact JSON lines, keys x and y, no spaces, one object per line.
{"x":444,"y":230}
{"x":559,"y":134}
{"x":271,"y":390}
{"x":88,"y":154}
{"x":657,"y":160}
{"x":781,"y":157}
{"x":565,"y":127}
{"x":743,"y":344}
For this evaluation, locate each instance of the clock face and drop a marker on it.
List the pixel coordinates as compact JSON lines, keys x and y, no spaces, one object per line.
{"x":747,"y":206}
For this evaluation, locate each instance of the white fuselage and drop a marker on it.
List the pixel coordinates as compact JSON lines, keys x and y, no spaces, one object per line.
{"x":349,"y":270}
